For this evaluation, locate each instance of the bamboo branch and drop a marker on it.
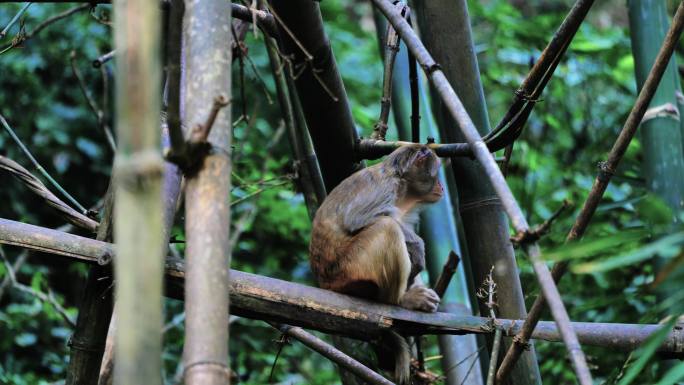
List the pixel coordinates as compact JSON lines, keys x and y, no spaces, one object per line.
{"x":45,"y":298}
{"x":264,"y":298}
{"x":23,"y":37}
{"x":481,"y":152}
{"x":40,"y":168}
{"x":37,"y":187}
{"x":14,"y":20}
{"x":333,"y":354}
{"x":99,"y":114}
{"x":606,"y":172}
{"x":448,"y":272}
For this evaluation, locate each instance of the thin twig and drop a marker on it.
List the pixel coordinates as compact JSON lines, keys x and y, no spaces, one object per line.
{"x":241,"y":225}
{"x":308,"y":58}
{"x":487,"y":291}
{"x":48,"y":298}
{"x":200,"y":132}
{"x":99,"y":114}
{"x":332,"y":354}
{"x":604,"y":176}
{"x":22,"y":37}
{"x":97,"y":63}
{"x":282,"y":341}
{"x":18,"y":263}
{"x":38,"y":188}
{"x":14,"y":20}
{"x":392,"y":43}
{"x":538,"y":231}
{"x":40,"y":168}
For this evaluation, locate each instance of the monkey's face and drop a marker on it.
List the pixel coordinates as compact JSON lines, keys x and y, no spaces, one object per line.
{"x":421,"y":174}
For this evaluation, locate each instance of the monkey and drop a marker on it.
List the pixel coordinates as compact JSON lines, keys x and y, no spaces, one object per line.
{"x":363,"y":242}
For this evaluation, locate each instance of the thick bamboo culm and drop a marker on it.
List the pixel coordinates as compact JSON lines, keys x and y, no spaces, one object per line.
{"x":138,"y":210}
{"x":207,"y":210}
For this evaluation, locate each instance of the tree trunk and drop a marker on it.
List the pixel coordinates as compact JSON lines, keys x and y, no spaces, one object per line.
{"x":484,"y":222}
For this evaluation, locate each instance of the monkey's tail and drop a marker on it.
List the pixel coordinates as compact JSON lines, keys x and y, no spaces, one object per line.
{"x":398,"y":346}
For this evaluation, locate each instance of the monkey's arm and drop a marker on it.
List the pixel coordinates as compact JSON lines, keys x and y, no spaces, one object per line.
{"x":416,"y":251}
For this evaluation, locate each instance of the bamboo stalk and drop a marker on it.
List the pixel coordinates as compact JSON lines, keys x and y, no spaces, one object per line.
{"x":486,"y":231}
{"x":310,"y":184}
{"x":319,"y":87}
{"x":138,"y":212}
{"x":95,"y":311}
{"x":207,"y":211}
{"x":486,"y":160}
{"x":663,"y":165}
{"x":601,"y":182}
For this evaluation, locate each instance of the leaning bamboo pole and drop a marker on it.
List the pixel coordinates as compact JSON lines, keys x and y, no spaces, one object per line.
{"x":490,"y":169}
{"x":606,"y":171}
{"x":207,"y":209}
{"x":319,"y":87}
{"x":486,"y":228}
{"x":138,"y":210}
{"x":437,"y":226}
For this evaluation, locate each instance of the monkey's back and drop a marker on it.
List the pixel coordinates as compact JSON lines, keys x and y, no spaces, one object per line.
{"x":348,"y":209}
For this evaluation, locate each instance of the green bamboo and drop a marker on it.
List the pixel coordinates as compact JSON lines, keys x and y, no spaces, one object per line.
{"x":138,"y":209}
{"x":661,"y":135}
{"x":483,"y":219}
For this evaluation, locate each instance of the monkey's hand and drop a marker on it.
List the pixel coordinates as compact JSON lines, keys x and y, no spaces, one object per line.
{"x":419,"y":297}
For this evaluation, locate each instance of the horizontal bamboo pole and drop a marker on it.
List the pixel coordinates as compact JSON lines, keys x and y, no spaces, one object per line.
{"x":375,"y":149}
{"x":264,"y":298}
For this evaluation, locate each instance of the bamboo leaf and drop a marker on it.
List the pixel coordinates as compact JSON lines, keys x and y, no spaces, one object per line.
{"x":673,"y":375}
{"x":647,"y":351}
{"x":660,"y":247}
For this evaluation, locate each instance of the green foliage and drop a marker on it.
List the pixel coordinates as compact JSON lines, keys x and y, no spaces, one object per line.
{"x":570,"y":130}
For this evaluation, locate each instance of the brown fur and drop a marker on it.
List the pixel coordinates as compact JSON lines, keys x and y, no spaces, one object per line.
{"x":363,"y":242}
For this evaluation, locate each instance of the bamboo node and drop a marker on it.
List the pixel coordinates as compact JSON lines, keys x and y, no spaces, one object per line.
{"x":138,"y":170}
{"x":521,"y":341}
{"x":605,"y":172}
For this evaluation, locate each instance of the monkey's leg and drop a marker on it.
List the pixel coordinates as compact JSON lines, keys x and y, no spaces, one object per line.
{"x":379,"y":253}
